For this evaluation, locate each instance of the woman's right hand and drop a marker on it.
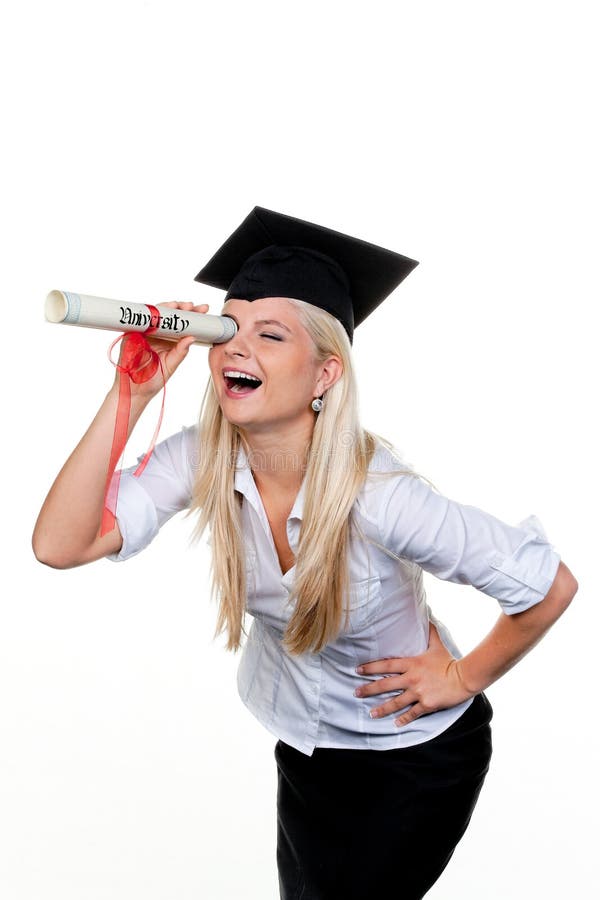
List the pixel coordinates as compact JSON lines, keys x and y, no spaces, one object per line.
{"x":170,"y":353}
{"x":66,"y":532}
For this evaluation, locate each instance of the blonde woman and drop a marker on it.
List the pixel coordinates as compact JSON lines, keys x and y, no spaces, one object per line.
{"x":321,"y":533}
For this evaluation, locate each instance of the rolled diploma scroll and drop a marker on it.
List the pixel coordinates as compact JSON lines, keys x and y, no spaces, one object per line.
{"x":115,"y":315}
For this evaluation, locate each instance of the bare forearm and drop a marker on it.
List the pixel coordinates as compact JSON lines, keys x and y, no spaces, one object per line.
{"x":512,"y":637}
{"x":66,"y":532}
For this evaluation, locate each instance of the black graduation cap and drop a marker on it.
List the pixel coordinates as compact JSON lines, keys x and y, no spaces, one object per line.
{"x":272,"y":255}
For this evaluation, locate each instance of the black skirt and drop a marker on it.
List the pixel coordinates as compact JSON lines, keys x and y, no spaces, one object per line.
{"x":353,"y":823}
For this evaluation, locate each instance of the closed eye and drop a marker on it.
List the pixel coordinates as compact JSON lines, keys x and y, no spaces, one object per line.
{"x":274,"y":336}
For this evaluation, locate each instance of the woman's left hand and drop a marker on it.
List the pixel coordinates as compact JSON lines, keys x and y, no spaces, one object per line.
{"x":428,"y":682}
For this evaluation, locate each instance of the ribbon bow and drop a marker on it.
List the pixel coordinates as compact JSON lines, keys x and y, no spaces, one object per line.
{"x":138,"y":363}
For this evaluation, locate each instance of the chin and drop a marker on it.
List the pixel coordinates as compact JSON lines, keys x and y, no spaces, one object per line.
{"x":233,"y":419}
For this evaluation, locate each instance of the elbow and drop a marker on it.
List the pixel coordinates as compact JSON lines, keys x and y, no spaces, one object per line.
{"x":60,"y":551}
{"x":563,"y":589}
{"x":569,"y":584}
{"x":574,"y":587}
{"x":539,"y":618}
{"x":49,"y":555}
{"x":47,"y":558}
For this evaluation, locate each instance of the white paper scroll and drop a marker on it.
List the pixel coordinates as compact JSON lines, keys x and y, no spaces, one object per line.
{"x":116,"y":315}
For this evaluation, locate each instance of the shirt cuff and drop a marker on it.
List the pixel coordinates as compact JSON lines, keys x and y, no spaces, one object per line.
{"x":524,"y":578}
{"x":136,"y":517}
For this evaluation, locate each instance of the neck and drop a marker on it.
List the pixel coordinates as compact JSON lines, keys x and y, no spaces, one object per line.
{"x":278,"y":459}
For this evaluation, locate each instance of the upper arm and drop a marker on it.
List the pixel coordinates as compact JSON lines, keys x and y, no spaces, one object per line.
{"x":464,"y":544}
{"x":110,"y":543}
{"x":147,"y":502}
{"x":61,"y":558}
{"x":561,"y":592}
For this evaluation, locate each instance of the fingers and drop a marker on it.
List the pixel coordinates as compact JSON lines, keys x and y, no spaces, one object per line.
{"x":425,"y":683}
{"x":407,"y":702}
{"x":396,"y":704}
{"x":178,"y":353}
{"x":185,"y":305}
{"x":400,"y":701}
{"x":398,"y":678}
{"x":381,"y":686}
{"x":395,"y":665}
{"x":411,"y":714}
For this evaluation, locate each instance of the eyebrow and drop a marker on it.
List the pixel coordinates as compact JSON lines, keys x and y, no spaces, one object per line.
{"x":263,"y":322}
{"x":273,"y":322}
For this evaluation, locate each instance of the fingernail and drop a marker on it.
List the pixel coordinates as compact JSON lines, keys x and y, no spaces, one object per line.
{"x":374,"y":713}
{"x":357,"y":692}
{"x":360,"y":669}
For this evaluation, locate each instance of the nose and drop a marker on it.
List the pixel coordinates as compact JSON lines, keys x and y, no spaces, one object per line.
{"x":236,"y":346}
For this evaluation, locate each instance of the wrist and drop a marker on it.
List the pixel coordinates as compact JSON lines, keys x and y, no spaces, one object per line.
{"x":137,"y":402}
{"x":471,"y":680}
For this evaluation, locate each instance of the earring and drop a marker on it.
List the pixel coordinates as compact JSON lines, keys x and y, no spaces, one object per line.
{"x":317,"y":404}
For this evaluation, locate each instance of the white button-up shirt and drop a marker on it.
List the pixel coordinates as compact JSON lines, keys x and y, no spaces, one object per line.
{"x":308,"y":700}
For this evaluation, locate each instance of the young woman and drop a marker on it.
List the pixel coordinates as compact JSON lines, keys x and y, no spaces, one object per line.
{"x":321,"y":533}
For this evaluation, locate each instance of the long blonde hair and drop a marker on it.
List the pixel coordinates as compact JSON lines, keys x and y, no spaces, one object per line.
{"x":337,"y":464}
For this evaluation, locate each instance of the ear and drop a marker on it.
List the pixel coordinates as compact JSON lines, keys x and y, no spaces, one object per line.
{"x":331,"y":371}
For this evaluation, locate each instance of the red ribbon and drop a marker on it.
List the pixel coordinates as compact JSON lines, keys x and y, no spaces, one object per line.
{"x":138,"y":363}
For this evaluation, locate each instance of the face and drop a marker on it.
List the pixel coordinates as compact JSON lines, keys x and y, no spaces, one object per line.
{"x":273,"y":345}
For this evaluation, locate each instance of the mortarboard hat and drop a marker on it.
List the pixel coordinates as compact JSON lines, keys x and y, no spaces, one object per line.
{"x":272,"y":255}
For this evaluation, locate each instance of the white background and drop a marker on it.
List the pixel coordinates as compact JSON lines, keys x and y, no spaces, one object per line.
{"x":139,"y":135}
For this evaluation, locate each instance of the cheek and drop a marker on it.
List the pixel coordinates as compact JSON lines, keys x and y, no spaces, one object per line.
{"x":306,"y":376}
{"x":213,"y":357}
{"x":215,"y":375}
{"x":301,"y":384}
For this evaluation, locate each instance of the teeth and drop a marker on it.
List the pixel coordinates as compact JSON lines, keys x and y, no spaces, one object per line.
{"x":233,"y":374}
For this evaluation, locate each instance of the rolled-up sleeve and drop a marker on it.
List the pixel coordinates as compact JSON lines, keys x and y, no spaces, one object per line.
{"x":163,"y":489}
{"x":515,"y":564}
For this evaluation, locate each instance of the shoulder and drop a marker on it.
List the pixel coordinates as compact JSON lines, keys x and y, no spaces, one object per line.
{"x":175,"y":457}
{"x":388,"y":458}
{"x":388,"y":467}
{"x":389,"y":472}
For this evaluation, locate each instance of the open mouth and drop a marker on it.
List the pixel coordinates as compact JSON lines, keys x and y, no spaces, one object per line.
{"x":242,"y":384}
